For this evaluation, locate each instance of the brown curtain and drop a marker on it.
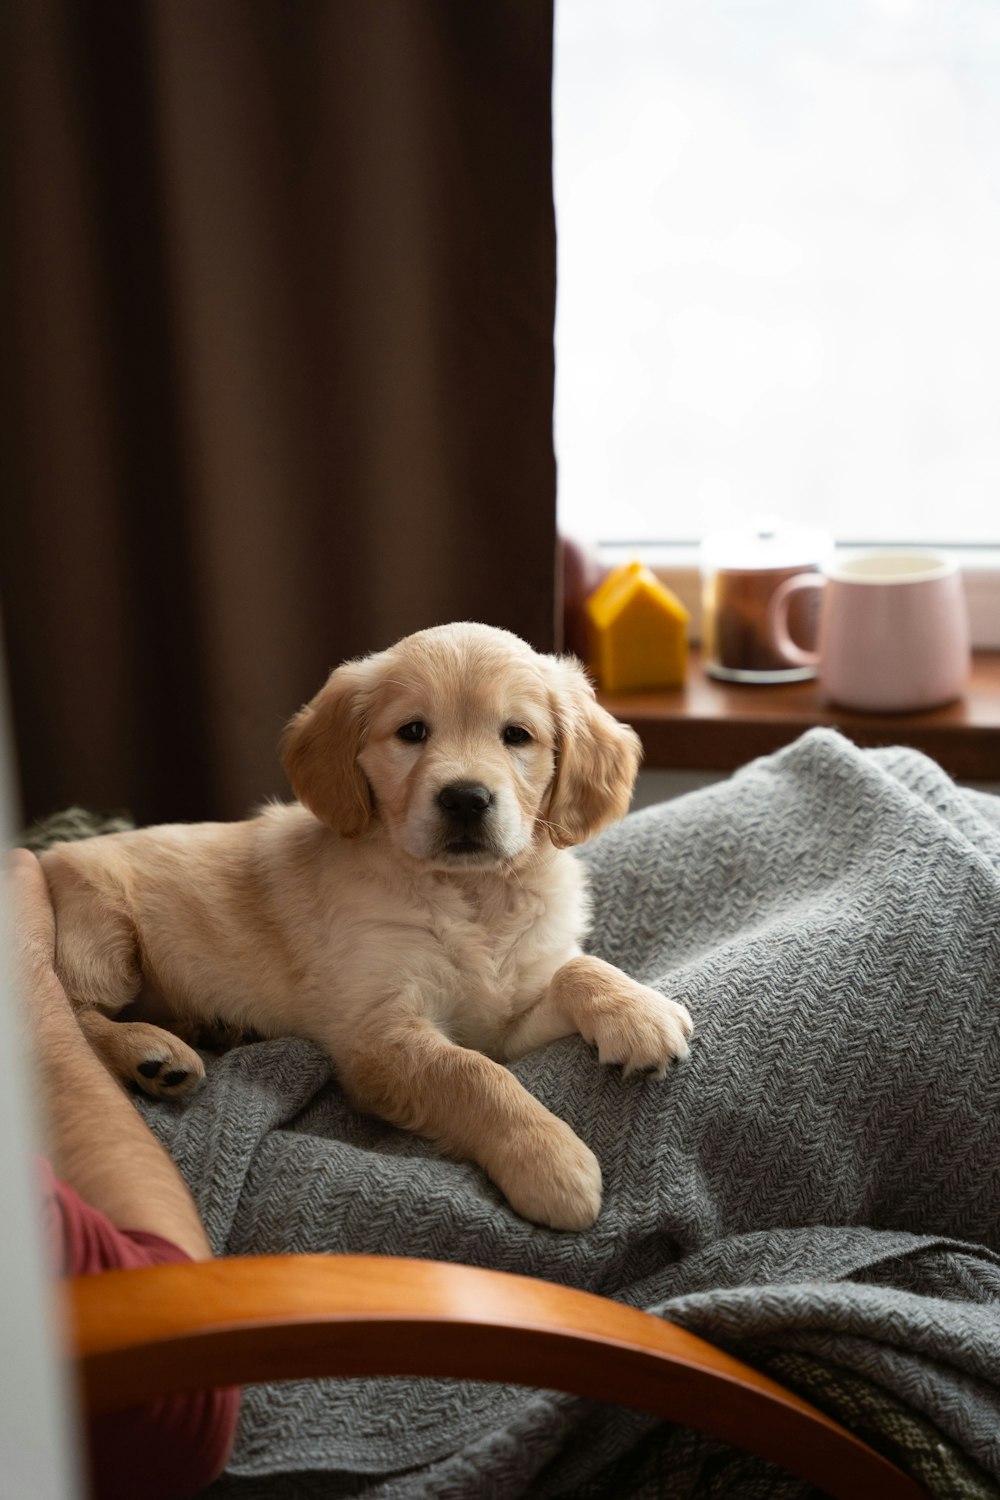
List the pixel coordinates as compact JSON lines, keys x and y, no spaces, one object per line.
{"x":277,"y":302}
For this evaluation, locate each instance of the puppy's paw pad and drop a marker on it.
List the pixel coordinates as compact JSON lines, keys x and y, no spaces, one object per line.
{"x":163,"y":1078}
{"x":157,"y":1061}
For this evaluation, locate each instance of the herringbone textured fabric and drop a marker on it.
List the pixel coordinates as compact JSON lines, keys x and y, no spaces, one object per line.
{"x":882,"y":1420}
{"x":74,"y":823}
{"x":821,"y":1177}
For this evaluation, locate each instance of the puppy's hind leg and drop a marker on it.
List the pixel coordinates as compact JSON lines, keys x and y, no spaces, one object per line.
{"x":97,"y":959}
{"x":97,"y":946}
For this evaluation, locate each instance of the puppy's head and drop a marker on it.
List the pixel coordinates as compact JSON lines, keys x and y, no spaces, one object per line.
{"x":471,"y":749}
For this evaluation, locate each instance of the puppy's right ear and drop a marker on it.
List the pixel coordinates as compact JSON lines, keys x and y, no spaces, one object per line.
{"x":320,"y":748}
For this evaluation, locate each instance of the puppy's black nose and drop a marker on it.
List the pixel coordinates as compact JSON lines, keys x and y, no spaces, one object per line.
{"x":464,"y":799}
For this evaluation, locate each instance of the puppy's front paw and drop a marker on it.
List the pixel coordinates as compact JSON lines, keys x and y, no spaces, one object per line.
{"x":639,"y":1028}
{"x":551,"y":1177}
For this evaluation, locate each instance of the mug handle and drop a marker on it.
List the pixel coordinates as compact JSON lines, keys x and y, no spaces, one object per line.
{"x":777,"y":619}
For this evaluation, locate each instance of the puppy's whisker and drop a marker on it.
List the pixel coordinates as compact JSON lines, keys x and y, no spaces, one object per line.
{"x":559,"y":827}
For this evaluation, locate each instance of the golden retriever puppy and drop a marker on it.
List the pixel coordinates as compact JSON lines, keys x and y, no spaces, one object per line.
{"x":415,"y":913}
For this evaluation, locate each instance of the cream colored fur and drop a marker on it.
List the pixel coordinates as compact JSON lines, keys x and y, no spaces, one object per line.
{"x":421,"y":953}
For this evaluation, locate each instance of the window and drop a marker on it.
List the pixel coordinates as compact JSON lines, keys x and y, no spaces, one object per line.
{"x":779,"y":267}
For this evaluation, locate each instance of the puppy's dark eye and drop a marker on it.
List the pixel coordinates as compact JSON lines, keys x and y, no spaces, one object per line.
{"x":413,"y":732}
{"x":515,"y":735}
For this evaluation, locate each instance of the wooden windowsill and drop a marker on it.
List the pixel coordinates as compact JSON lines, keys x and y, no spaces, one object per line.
{"x":717,"y":726}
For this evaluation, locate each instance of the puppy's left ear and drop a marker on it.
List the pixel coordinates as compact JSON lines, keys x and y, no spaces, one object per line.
{"x":320,"y":749}
{"x":597,"y":760}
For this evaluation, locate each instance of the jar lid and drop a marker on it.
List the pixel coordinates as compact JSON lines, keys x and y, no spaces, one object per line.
{"x":767,"y":543}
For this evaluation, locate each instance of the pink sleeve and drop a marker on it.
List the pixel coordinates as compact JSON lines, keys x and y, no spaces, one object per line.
{"x":167,"y":1449}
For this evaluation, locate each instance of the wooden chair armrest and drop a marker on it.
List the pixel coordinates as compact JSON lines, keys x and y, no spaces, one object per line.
{"x":153,"y":1332}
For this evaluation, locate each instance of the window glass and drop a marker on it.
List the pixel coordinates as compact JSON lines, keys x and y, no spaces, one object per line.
{"x":779,"y":267}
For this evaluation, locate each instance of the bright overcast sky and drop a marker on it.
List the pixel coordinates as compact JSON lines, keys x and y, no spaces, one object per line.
{"x":779,"y":266}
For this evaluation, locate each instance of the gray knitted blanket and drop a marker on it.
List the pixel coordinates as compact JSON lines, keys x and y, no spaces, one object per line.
{"x":820,"y":1180}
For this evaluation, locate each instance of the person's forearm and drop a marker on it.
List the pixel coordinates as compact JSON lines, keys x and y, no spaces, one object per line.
{"x":96,"y":1140}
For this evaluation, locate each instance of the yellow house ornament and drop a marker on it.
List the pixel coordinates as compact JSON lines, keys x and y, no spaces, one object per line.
{"x":637,"y":632}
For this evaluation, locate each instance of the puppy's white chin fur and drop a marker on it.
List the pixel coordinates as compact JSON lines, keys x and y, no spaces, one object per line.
{"x":484,"y":857}
{"x":440,"y":848}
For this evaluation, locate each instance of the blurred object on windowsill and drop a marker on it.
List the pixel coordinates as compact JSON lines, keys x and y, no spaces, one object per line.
{"x":637,"y":632}
{"x":741,"y":573}
{"x":582,"y":572}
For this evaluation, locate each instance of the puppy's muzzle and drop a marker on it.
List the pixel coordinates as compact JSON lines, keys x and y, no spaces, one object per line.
{"x":465,"y":807}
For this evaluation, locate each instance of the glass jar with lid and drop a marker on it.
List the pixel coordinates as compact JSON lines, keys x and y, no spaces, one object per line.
{"x":741,"y":571}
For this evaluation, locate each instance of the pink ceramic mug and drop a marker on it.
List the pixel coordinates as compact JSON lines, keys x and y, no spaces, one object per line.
{"x":893,"y":631}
